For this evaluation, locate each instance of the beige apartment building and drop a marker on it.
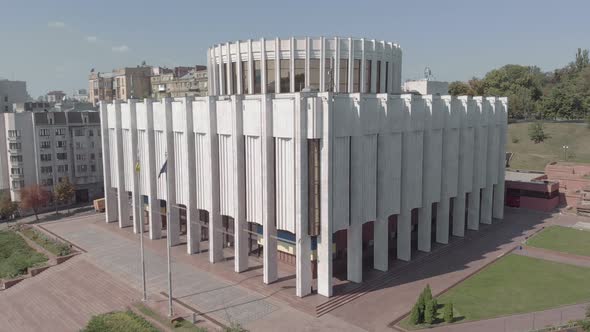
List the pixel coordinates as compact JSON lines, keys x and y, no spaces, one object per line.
{"x":120,"y":84}
{"x":180,"y":82}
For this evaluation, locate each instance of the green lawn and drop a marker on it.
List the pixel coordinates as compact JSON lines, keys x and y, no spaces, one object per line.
{"x":16,"y":256}
{"x":564,"y":239}
{"x":518,"y":284}
{"x":53,"y":246}
{"x":119,"y":321}
{"x":531,"y":156}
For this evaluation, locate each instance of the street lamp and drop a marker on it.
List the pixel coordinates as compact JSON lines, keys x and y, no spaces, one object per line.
{"x":565,"y":148}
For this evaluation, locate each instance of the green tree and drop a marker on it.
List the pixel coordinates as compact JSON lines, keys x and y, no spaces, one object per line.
{"x":459,"y":88}
{"x":427,"y":293}
{"x":429,"y":313}
{"x":64,"y":192}
{"x":537,"y":132}
{"x":7,"y":207}
{"x":448,"y":312}
{"x":34,"y":197}
{"x":415,"y":315}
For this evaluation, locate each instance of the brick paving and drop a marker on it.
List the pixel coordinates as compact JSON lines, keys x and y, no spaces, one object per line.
{"x":62,"y":298}
{"x":550,"y":255}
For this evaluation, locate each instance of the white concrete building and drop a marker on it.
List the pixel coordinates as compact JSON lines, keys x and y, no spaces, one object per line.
{"x":320,"y":179}
{"x":12,"y":92}
{"x":42,"y":148}
{"x":426,"y":87}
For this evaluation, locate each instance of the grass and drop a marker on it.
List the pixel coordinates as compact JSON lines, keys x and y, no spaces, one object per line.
{"x":517,"y":284}
{"x":53,"y":246}
{"x":531,"y":156}
{"x":563,"y":239}
{"x":16,"y":256}
{"x":119,"y":321}
{"x":180,"y":326}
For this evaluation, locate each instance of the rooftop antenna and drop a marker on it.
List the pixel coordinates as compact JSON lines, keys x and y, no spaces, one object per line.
{"x":427,"y":73}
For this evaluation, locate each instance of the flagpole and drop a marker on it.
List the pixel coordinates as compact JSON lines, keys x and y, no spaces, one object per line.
{"x":140,"y":219}
{"x":168,"y":240}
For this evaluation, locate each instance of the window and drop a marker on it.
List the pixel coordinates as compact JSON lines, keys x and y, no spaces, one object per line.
{"x":47,"y":182}
{"x":92,"y":156}
{"x":60,"y":131}
{"x":6,"y":99}
{"x":93,"y":168}
{"x":62,"y":156}
{"x":14,"y":133}
{"x":224,"y":78}
{"x":314,"y":74}
{"x":62,"y":168}
{"x":16,"y":171}
{"x":386,"y":77}
{"x":90,"y":132}
{"x":80,"y":145}
{"x":43,"y":132}
{"x":329,"y":74}
{"x":18,"y":184}
{"x":80,"y":157}
{"x":61,"y":144}
{"x":15,"y":146}
{"x":344,"y":75}
{"x":378,"y":76}
{"x":92,"y":145}
{"x":81,"y":168}
{"x":314,"y":186}
{"x":270,"y":76}
{"x":45,"y":145}
{"x":299,"y":75}
{"x":45,"y":157}
{"x":100,"y":155}
{"x":368,"y":76}
{"x":356,"y":73}
{"x":234,"y":81}
{"x":257,"y":77}
{"x":16,"y":159}
{"x":245,"y":78}
{"x":46,"y":169}
{"x":79,"y":132}
{"x":285,"y":70}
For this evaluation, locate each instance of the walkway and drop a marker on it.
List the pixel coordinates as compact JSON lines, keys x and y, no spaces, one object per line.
{"x":554,"y":256}
{"x":62,"y":298}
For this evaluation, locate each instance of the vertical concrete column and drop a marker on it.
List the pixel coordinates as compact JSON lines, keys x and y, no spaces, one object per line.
{"x":109,"y":194}
{"x":269,"y":228}
{"x":324,"y":239}
{"x":404,"y":235}
{"x":240,"y":234}
{"x":215,"y":222}
{"x":442,"y":221}
{"x":486,"y":205}
{"x":122,"y":195}
{"x":174,"y":223}
{"x":381,"y":244}
{"x":354,"y":252}
{"x":193,"y":222}
{"x":303,"y":276}
{"x":501,"y":118}
{"x":459,"y":215}
{"x":424,"y":226}
{"x":498,"y":201}
{"x":155,"y":221}
{"x":473,"y":210}
{"x":137,"y":196}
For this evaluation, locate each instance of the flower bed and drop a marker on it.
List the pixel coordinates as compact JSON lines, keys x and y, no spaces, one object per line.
{"x":16,"y":256}
{"x":55,"y":247}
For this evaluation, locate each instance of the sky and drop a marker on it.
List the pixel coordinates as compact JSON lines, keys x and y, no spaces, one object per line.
{"x":53,"y":44}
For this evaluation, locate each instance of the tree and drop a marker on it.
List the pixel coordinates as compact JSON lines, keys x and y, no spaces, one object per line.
{"x":429,"y":313}
{"x":448,"y":312}
{"x":415,"y":315}
{"x":459,"y":88}
{"x":7,"y":207}
{"x":64,"y":192}
{"x":34,"y":197}
{"x":427,"y":293}
{"x":537,"y":132}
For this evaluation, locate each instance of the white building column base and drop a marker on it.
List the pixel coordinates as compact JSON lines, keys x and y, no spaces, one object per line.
{"x":270,"y":273}
{"x":155,"y":222}
{"x":325,"y":266}
{"x":404,"y":236}
{"x":193,"y":231}
{"x":498,"y":201}
{"x":473,"y":210}
{"x":303,"y":276}
{"x":354,"y":253}
{"x":111,"y":206}
{"x":424,"y":227}
{"x":215,"y":238}
{"x":174,"y":225}
{"x":442,"y":221}
{"x":381,"y":245}
{"x":240,"y":246}
{"x":486,"y":205}
{"x":123,"y":209}
{"x":459,"y":215}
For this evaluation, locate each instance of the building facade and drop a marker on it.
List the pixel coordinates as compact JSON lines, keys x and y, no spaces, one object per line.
{"x":43,"y":148}
{"x":55,"y":96}
{"x":12,"y":92}
{"x":120,"y":84}
{"x":180,"y":82}
{"x":426,"y":87}
{"x":324,"y":179}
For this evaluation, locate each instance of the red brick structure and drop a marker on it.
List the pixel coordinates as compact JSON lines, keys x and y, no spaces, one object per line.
{"x":531,"y":191}
{"x":572,"y":178}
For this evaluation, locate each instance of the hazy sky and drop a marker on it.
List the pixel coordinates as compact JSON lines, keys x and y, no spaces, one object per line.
{"x":53,"y":44}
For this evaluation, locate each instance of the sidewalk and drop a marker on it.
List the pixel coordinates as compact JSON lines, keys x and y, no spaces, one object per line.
{"x":75,"y":211}
{"x":554,"y":256}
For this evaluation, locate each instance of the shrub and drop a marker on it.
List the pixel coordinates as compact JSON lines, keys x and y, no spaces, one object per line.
{"x":515,"y":139}
{"x":119,"y":321}
{"x":448,"y":312}
{"x":537,"y":132}
{"x":234,"y":327}
{"x":427,"y":294}
{"x":415,"y":315}
{"x":429,"y":312}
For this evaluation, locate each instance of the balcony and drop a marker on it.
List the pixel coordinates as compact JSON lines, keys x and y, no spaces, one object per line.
{"x":17,"y":176}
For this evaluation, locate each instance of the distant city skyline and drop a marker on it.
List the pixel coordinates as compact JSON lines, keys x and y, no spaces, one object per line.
{"x":54,"y":45}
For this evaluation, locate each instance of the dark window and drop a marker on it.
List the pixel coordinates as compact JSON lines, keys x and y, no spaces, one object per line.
{"x":368,"y":76}
{"x":257,"y":77}
{"x":299,"y":75}
{"x":378,"y":76}
{"x":234,"y":75}
{"x":225,"y":72}
{"x":270,"y":76}
{"x":329,"y":74}
{"x":356,"y":70}
{"x":245,"y":78}
{"x":285,"y":70}
{"x":386,"y":77}
{"x":314,"y":74}
{"x":344,"y":75}
{"x":314,"y":183}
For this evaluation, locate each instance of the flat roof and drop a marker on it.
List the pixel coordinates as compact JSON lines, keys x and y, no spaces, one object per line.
{"x":522,"y":176}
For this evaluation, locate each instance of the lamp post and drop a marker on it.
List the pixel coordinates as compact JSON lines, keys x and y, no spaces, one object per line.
{"x":565,"y":148}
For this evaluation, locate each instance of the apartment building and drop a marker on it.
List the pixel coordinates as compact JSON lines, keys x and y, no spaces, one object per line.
{"x":44,"y":148}
{"x":120,"y":84}
{"x":180,"y":82}
{"x":12,"y":92}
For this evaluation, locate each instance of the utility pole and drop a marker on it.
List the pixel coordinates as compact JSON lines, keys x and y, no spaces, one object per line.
{"x":139,"y":202}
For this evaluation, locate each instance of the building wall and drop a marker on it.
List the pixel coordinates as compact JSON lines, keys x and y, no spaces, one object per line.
{"x":246,"y":157}
{"x":572,"y":178}
{"x":12,"y":92}
{"x":426,"y":87}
